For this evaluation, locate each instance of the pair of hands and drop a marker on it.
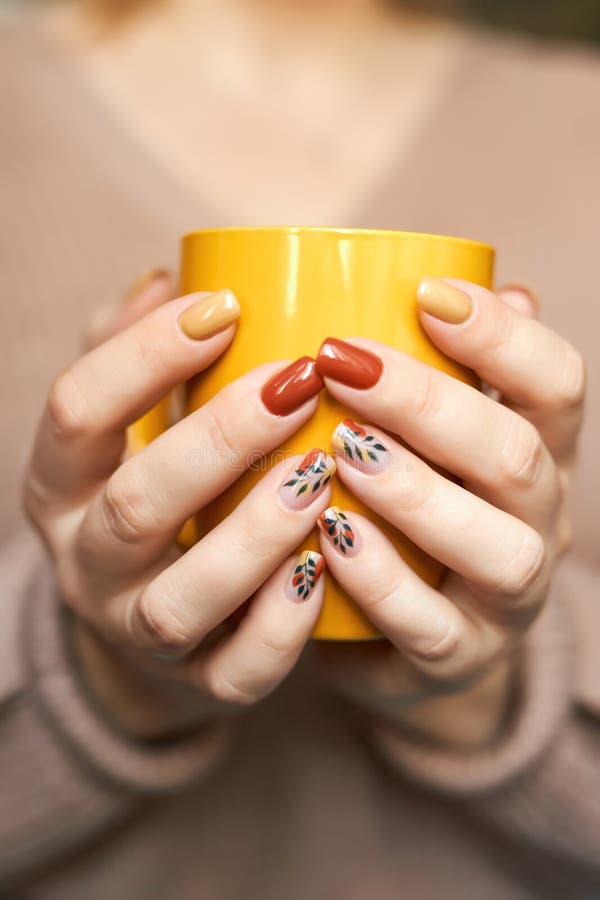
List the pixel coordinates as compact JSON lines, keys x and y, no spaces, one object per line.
{"x":160,"y":625}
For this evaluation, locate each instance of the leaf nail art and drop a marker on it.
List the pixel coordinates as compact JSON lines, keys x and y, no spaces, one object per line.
{"x":308,"y":480}
{"x":305,"y":575}
{"x":360,"y":448}
{"x":339,"y":531}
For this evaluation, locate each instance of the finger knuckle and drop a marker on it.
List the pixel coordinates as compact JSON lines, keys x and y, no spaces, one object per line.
{"x":522,"y":454}
{"x":281,"y":644}
{"x":444,"y":645}
{"x":413,"y":488}
{"x":158,"y":624}
{"x":219,"y":432}
{"x":499,"y":333}
{"x":127,"y":511}
{"x":573,"y":385}
{"x":256,"y":540}
{"x":426,"y":395}
{"x":67,"y":408}
{"x":524,"y":566}
{"x":151,"y":355}
{"x":224,"y":688}
{"x":382,"y":592}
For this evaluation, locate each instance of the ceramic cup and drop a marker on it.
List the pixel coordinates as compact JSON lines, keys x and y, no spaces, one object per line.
{"x":297,"y":286}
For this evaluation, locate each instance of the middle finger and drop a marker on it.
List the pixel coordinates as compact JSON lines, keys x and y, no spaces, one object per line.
{"x":137,"y":514}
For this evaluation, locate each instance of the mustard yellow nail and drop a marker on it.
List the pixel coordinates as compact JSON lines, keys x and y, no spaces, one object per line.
{"x":209,"y":315}
{"x":443,"y":300}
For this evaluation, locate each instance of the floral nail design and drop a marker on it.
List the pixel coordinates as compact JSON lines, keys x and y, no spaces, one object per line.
{"x":359,"y":448}
{"x":307,"y":572}
{"x":334,"y":523}
{"x":308,"y":480}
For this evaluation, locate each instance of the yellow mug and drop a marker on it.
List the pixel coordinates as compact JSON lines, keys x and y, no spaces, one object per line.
{"x":297,"y":286}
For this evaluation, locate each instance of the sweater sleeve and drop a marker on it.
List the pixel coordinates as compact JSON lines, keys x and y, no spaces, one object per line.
{"x":66,"y":774}
{"x":540,"y":778}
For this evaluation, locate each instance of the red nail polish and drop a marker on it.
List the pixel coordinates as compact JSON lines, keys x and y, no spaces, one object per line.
{"x":351,"y":365}
{"x":293,"y":386}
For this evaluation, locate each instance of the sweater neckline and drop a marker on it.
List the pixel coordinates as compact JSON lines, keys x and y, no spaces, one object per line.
{"x":368,"y":213}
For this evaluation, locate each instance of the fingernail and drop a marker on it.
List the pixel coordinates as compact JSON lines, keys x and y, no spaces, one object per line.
{"x":351,"y":365}
{"x":357,"y":446}
{"x":307,"y":481}
{"x":307,"y":571}
{"x":292,"y":386}
{"x":209,"y":315}
{"x":339,"y":531}
{"x":144,"y":281}
{"x":443,"y":300}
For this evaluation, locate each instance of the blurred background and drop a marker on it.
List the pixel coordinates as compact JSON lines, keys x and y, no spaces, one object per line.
{"x":563,"y":19}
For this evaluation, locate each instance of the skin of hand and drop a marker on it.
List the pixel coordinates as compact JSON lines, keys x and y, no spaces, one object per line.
{"x":153,"y":626}
{"x":496,"y":514}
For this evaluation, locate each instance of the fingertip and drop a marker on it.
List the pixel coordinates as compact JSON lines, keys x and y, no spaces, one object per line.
{"x":304,"y":579}
{"x":208,"y":315}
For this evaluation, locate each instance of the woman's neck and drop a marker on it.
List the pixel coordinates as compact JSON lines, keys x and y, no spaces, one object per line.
{"x":271,"y":110}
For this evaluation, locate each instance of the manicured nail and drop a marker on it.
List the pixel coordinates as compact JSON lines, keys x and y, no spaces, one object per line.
{"x":293,"y":386}
{"x":307,"y":571}
{"x":359,"y":447}
{"x":339,"y":531}
{"x":209,"y":315}
{"x":307,"y":481}
{"x":351,"y":365}
{"x":141,"y":284}
{"x":443,"y":300}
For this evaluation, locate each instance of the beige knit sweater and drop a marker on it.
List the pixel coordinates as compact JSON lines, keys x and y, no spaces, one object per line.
{"x":304,"y":797}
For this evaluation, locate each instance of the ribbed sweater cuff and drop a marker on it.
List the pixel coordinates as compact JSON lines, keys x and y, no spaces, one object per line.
{"x":82,"y":730}
{"x":544,"y":697}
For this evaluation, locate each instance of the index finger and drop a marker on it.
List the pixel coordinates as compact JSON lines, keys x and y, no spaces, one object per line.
{"x":538,"y":372}
{"x":81,"y":436}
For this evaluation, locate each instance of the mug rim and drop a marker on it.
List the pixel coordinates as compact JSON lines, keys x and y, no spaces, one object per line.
{"x":368,"y":232}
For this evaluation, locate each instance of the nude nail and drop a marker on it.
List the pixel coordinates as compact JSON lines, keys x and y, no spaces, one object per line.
{"x":307,"y":570}
{"x":308,"y":480}
{"x":357,"y":446}
{"x":340,"y":531}
{"x":443,"y":300}
{"x":209,"y":315}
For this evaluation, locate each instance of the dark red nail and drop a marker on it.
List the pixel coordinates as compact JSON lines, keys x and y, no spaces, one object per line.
{"x":349,"y":364}
{"x":293,"y":386}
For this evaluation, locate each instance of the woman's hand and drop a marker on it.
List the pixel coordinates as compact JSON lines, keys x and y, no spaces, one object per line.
{"x":110,"y":522}
{"x":499,"y":533}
